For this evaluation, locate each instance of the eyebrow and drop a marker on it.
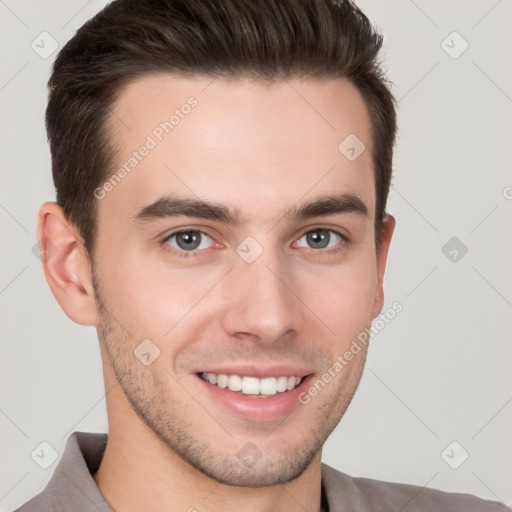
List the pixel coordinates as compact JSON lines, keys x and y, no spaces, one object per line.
{"x":174,"y":206}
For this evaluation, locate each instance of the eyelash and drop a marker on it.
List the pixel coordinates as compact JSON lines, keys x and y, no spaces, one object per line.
{"x":194,"y":254}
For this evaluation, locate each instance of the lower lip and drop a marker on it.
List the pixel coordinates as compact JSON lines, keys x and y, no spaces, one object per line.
{"x":254,"y":408}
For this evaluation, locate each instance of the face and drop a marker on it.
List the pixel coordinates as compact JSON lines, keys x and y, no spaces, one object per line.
{"x":235,"y":262}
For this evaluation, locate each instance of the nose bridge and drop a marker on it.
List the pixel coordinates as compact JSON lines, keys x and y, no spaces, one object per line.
{"x":261,"y":302}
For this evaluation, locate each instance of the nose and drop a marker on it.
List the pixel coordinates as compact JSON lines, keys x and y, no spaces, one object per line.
{"x":262,"y":300}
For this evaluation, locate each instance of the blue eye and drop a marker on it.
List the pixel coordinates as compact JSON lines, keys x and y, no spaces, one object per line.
{"x":190,"y":240}
{"x":320,"y":239}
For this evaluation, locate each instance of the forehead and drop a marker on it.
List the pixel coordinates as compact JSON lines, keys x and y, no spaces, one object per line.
{"x":253,"y":146}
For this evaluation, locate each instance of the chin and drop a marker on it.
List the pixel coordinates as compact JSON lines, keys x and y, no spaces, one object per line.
{"x":249,"y":467}
{"x":260,"y":474}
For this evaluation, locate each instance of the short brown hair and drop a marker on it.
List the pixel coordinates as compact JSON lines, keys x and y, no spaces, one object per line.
{"x":265,"y":40}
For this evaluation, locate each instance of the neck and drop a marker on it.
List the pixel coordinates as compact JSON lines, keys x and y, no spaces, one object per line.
{"x":140,"y":473}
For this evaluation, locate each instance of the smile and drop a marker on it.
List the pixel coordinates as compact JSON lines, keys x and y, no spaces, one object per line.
{"x":255,"y":392}
{"x":253,"y":386}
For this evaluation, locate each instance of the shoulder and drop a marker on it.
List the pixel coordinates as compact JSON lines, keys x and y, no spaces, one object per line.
{"x":40,"y":503}
{"x":71,"y":486}
{"x":366,"y":494}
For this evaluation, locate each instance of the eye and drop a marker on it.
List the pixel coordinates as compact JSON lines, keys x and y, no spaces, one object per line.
{"x":320,"y":239}
{"x":190,"y":240}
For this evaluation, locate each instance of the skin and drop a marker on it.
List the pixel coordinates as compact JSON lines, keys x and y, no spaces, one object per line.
{"x":262,"y":150}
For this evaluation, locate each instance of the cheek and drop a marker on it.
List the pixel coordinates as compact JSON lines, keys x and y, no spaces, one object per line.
{"x":153,"y":300}
{"x":343,"y":297}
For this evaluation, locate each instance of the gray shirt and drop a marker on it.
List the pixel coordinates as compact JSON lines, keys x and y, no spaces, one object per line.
{"x":72,"y":488}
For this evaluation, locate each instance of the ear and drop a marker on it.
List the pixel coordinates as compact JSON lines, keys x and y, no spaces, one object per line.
{"x":65,"y":264}
{"x":388,"y":226}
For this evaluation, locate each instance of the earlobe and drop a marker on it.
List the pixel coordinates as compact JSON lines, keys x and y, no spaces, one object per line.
{"x":388,"y":227}
{"x":66,"y":265}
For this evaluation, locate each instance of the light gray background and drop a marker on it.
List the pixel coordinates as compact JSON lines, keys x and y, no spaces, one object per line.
{"x":439,"y":372}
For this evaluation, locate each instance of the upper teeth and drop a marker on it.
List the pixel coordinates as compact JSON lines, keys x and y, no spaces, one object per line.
{"x":252,"y":385}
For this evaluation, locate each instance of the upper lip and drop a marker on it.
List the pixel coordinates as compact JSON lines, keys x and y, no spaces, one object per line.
{"x":258,"y":370}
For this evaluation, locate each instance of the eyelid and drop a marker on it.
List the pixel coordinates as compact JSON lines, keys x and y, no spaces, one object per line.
{"x":316,"y":227}
{"x":186,"y":229}
{"x":322,"y":228}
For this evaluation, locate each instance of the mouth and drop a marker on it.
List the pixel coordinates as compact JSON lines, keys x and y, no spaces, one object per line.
{"x":255,"y":393}
{"x":252,"y":386}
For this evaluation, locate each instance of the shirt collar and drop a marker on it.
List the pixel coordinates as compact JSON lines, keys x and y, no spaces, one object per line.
{"x":71,"y":486}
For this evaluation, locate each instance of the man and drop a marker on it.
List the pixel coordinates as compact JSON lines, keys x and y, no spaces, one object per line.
{"x":222,"y":170}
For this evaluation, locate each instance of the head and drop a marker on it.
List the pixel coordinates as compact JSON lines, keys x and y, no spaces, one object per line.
{"x":222,"y":171}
